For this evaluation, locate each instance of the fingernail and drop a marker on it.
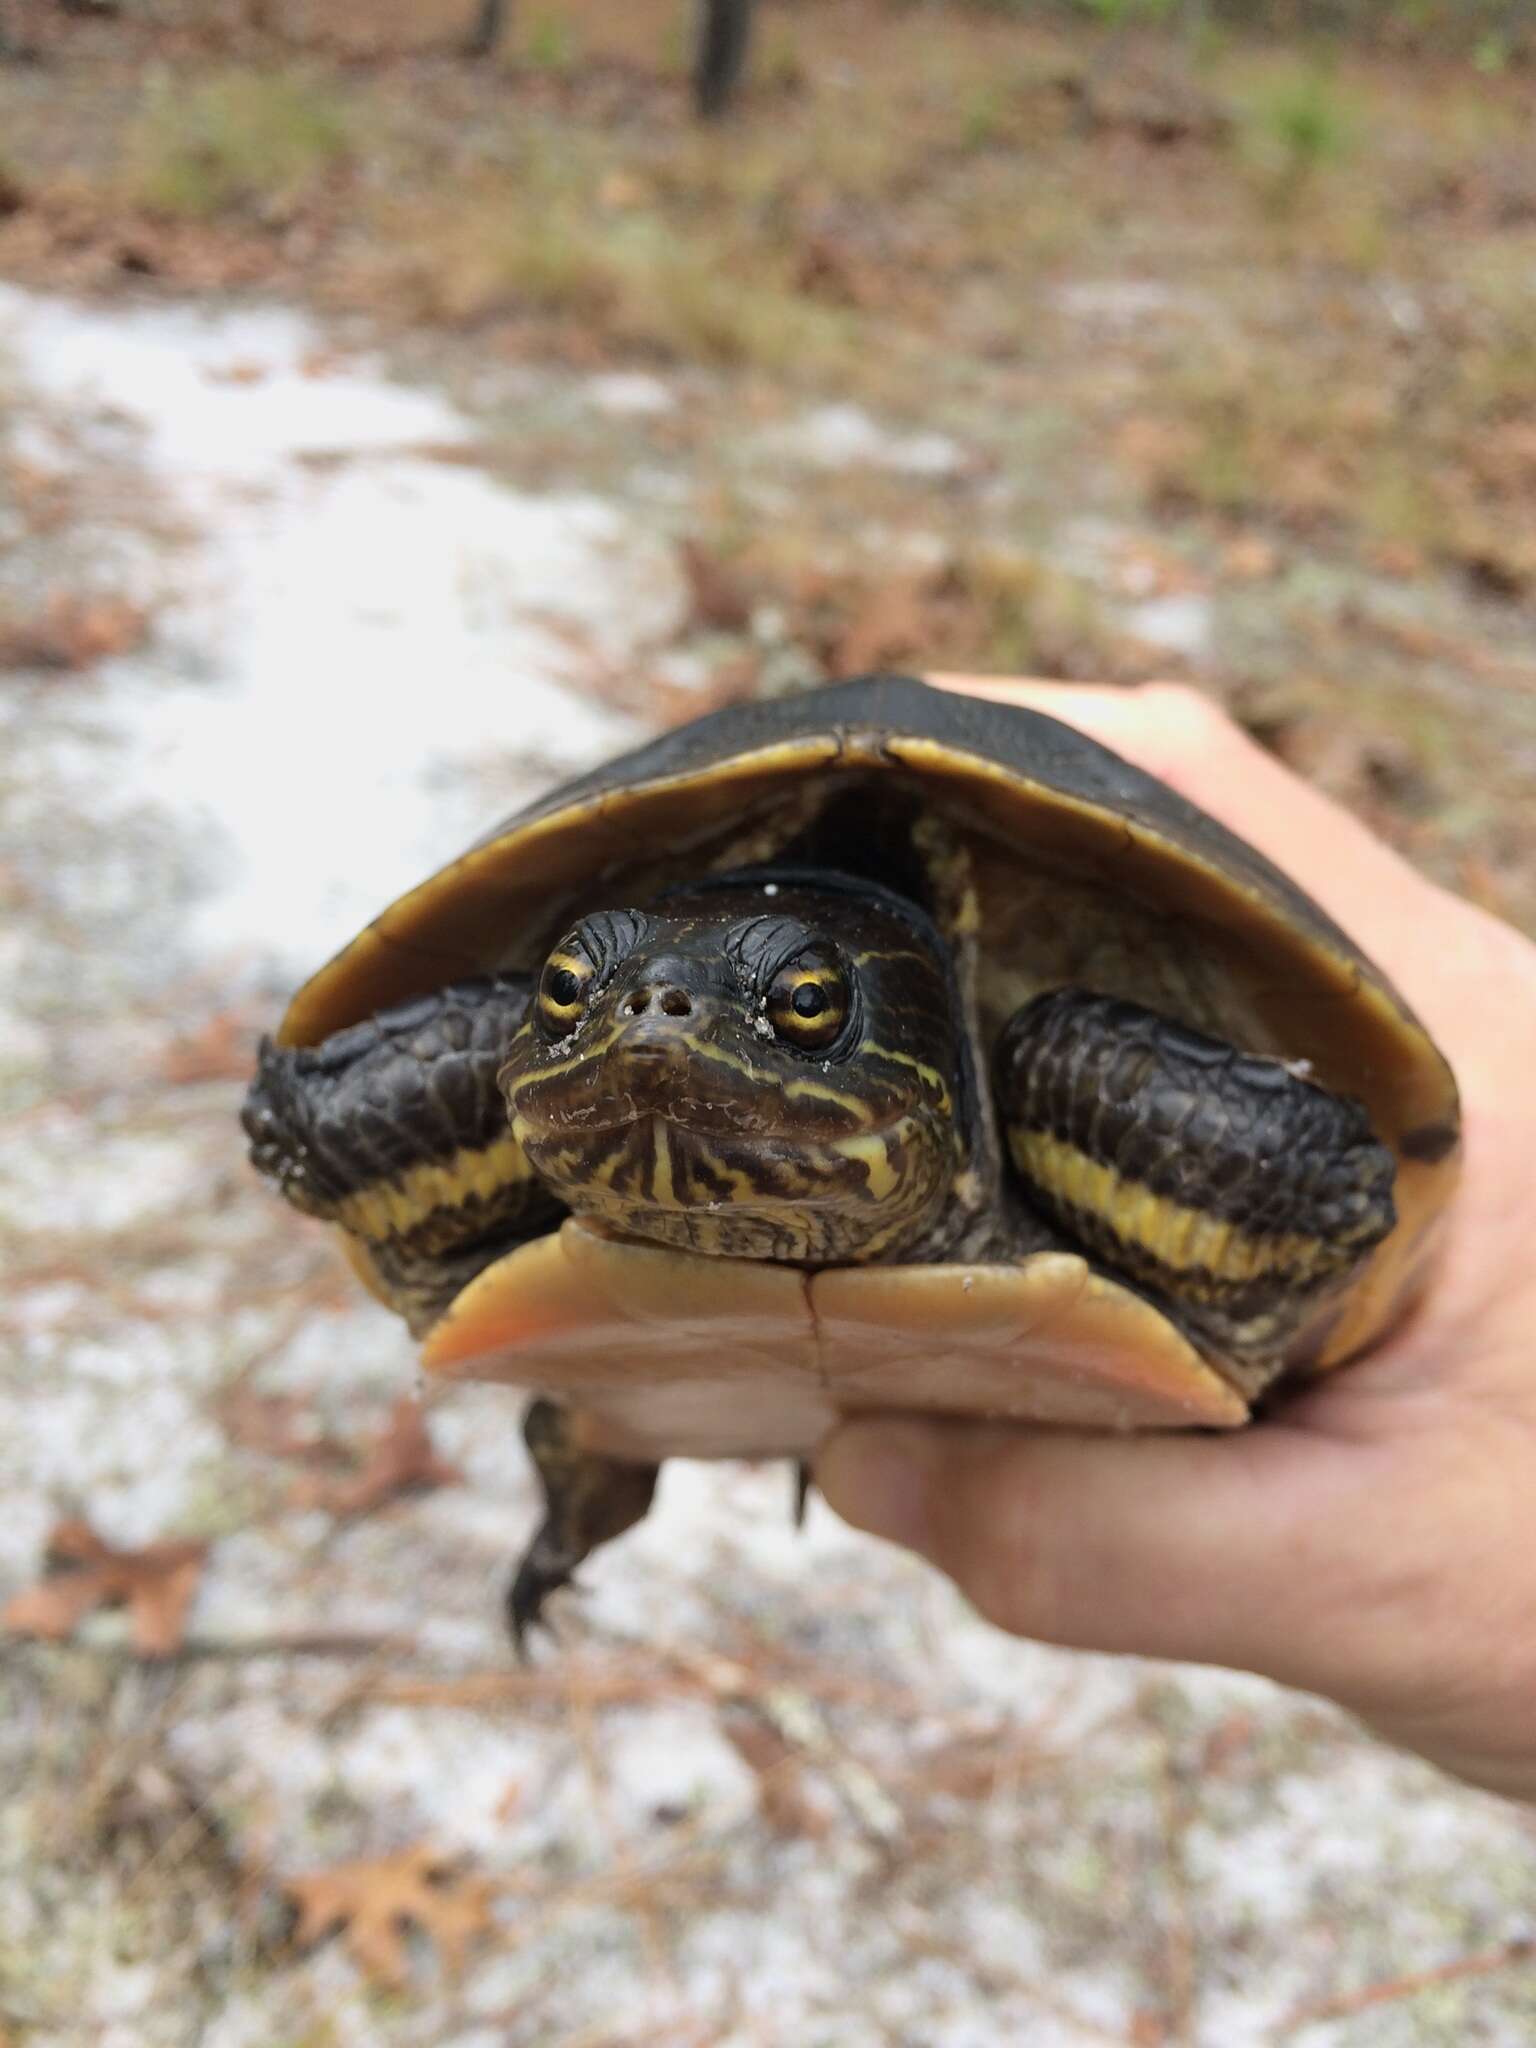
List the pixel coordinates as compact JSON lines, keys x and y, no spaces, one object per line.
{"x":877,"y":1475}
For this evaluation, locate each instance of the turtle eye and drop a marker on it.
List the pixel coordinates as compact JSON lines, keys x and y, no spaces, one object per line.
{"x":808,"y":1002}
{"x":563,"y":990}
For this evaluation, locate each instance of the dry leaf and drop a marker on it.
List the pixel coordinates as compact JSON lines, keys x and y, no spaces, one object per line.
{"x":888,"y":627}
{"x":237,"y":373}
{"x":73,"y":632}
{"x":509,"y":1802}
{"x":376,"y":1900}
{"x":621,"y":191}
{"x":1398,"y":558}
{"x":400,"y":1460}
{"x":1231,"y":1738}
{"x":156,"y":1584}
{"x":831,"y":266}
{"x":718,"y":597}
{"x":1250,"y":558}
{"x":222,"y":1049}
{"x":277,"y":1426}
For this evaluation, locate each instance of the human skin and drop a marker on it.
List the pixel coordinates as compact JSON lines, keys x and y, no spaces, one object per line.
{"x":1374,"y":1539}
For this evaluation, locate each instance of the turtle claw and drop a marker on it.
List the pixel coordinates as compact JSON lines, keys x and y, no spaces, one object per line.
{"x":543,"y":1571}
{"x":588,"y":1500}
{"x":803,"y":1484}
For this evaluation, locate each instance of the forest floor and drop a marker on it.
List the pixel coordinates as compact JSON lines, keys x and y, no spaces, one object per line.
{"x":381,"y":437}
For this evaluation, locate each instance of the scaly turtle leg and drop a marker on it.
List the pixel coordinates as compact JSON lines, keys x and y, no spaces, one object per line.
{"x":1229,"y":1186}
{"x":588,"y":1500}
{"x":396,"y":1130}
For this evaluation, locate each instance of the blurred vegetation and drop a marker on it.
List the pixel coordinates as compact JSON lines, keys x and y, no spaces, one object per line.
{"x":1255,"y":284}
{"x":1493,"y":32}
{"x":233,"y":142}
{"x":1296,"y":126}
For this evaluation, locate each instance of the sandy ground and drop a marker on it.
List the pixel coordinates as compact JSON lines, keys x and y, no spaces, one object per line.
{"x":775,"y":1788}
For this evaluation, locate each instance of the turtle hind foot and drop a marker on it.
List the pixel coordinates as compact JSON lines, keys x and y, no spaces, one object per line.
{"x":588,"y":1500}
{"x":544,"y":1569}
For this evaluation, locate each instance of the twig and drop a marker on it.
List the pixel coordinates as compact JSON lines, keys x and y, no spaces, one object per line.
{"x":798,"y":1719}
{"x":212,"y":1649}
{"x":1392,"y":1990}
{"x":480,"y":1689}
{"x":995,"y":1980}
{"x":1179,"y":1943}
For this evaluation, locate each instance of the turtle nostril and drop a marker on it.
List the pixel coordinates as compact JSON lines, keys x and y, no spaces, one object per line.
{"x":677,"y":1003}
{"x":636,"y":1005}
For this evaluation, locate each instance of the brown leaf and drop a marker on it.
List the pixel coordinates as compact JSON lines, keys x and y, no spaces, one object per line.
{"x":1232,"y":1737}
{"x":1502,"y":568}
{"x":221,"y":1049}
{"x":400,"y":1460}
{"x":277,"y":1426}
{"x":156,"y":1584}
{"x":1250,"y":558}
{"x":888,"y":627}
{"x":72,"y":632}
{"x":830,"y":266}
{"x":621,"y":191}
{"x":237,"y":373}
{"x":1398,"y":558}
{"x":719,"y":598}
{"x":375,"y":1900}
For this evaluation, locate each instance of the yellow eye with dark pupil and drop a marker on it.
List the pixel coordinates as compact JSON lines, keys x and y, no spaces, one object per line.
{"x":808,"y":1004}
{"x":562,"y":992}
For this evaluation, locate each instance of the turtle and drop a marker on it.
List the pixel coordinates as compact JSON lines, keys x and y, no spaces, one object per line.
{"x":877,"y":1047}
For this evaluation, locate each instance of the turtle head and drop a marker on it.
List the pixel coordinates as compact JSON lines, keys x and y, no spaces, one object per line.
{"x":764,"y":1066}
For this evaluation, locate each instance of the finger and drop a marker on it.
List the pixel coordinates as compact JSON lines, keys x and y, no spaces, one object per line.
{"x":1212,"y":1551}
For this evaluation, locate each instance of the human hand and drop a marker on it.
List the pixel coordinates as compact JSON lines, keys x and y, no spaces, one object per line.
{"x":1374,"y":1540}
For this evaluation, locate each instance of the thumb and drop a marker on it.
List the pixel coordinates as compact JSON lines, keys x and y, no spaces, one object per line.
{"x":1212,"y":1550}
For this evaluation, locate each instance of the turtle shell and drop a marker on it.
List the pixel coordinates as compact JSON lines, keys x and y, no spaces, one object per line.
{"x":1049,"y":860}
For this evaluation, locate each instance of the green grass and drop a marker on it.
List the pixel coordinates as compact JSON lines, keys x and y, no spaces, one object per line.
{"x":553,"y":45}
{"x":238,"y":142}
{"x":544,"y":241}
{"x":1294,"y":128}
{"x":1489,"y":34}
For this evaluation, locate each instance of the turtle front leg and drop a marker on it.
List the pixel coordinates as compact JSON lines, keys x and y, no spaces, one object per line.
{"x":588,"y":1500}
{"x":1232,"y":1189}
{"x":395,"y":1130}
